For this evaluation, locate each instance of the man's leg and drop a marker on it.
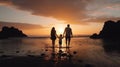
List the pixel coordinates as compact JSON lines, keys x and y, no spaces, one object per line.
{"x":66,"y":41}
{"x":69,"y":39}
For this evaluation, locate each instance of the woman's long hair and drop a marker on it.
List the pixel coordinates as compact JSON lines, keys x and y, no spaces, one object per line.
{"x":53,"y":32}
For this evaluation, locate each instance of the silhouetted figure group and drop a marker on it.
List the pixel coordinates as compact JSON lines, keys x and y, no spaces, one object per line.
{"x":67,"y":34}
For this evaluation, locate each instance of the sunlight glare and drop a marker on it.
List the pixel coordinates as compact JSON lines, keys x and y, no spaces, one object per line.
{"x":60,"y":28}
{"x":60,"y":31}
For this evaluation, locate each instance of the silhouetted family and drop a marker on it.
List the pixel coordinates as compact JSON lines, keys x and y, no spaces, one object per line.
{"x":67,"y":34}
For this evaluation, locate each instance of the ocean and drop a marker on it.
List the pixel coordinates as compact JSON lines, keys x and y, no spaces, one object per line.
{"x":92,"y":51}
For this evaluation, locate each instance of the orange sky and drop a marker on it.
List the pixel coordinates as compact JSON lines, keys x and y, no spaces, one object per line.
{"x":37,"y":17}
{"x":77,"y":29}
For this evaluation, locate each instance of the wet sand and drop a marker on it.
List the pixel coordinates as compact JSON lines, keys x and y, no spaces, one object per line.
{"x":37,"y":61}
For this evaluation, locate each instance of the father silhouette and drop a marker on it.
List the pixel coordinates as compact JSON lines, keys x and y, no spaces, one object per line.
{"x":68,"y":35}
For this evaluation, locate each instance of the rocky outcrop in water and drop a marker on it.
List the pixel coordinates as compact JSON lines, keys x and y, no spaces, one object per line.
{"x":110,"y":30}
{"x":8,"y":32}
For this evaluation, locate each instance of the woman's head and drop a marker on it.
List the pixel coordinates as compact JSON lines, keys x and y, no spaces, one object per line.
{"x":53,"y":28}
{"x":53,"y":31}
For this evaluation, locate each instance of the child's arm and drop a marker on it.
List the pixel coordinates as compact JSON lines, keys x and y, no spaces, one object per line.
{"x":63,"y":37}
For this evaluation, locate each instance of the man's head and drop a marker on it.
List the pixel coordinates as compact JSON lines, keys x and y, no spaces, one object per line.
{"x":68,"y":25}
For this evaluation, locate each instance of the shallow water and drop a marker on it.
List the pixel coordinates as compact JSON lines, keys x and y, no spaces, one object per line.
{"x":88,"y":50}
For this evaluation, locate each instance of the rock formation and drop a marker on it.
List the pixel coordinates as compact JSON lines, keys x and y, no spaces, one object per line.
{"x":8,"y":32}
{"x":110,"y":29}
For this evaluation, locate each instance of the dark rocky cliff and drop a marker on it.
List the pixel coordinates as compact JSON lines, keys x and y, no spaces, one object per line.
{"x":110,"y":29}
{"x":8,"y":32}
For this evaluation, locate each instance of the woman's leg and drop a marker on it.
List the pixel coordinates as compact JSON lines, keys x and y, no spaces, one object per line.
{"x":53,"y":43}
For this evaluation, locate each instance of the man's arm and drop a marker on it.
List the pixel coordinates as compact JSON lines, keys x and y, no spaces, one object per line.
{"x":71,"y":33}
{"x":64,"y":32}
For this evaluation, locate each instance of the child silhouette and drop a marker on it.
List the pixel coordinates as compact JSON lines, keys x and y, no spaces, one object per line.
{"x":60,"y":40}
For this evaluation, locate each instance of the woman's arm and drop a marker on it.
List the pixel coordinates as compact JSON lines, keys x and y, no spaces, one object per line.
{"x":57,"y":36}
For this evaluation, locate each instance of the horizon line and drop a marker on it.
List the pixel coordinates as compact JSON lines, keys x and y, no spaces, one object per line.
{"x":49,"y":35}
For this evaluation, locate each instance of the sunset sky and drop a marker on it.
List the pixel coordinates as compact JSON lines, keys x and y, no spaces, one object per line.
{"x":37,"y":17}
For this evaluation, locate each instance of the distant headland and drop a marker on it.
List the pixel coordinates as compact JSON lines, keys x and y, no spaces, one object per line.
{"x":111,"y":30}
{"x":9,"y":32}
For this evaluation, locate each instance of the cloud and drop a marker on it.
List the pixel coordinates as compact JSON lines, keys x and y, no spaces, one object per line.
{"x":102,"y":19}
{"x":5,"y":2}
{"x":22,"y":26}
{"x":72,"y":11}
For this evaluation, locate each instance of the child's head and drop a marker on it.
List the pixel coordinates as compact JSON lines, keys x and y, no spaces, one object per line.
{"x":60,"y":35}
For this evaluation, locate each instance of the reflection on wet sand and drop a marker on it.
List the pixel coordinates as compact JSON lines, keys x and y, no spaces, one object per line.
{"x":61,"y":56}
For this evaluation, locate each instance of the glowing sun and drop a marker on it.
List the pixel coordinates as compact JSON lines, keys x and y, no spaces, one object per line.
{"x":60,"y":29}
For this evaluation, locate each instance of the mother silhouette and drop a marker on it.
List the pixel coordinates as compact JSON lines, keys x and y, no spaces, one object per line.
{"x":53,"y":36}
